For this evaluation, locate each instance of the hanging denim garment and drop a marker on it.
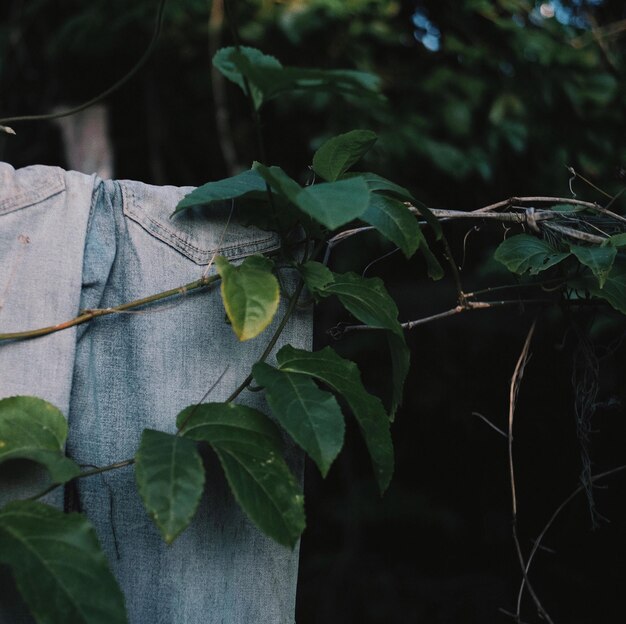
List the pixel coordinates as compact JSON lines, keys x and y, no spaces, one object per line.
{"x":70,"y":242}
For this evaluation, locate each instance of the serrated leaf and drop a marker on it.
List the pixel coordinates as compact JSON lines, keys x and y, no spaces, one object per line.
{"x":369,"y":301}
{"x":279,"y":181}
{"x":598,"y":259}
{"x":235,"y":63}
{"x":250,"y":293}
{"x":58,"y":566}
{"x":316,"y":276}
{"x":331,"y":203}
{"x":339,"y":153}
{"x":268,"y":78}
{"x":33,"y":429}
{"x":170,"y":480}
{"x":395,"y":222}
{"x":343,"y":377}
{"x":523,"y":253}
{"x":312,"y":417}
{"x":245,"y":184}
{"x":614,"y":289}
{"x":366,"y":298}
{"x":247,"y":444}
{"x":334,"y":204}
{"x":380,"y":185}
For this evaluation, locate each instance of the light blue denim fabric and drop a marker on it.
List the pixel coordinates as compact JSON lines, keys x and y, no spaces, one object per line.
{"x":95,"y":244}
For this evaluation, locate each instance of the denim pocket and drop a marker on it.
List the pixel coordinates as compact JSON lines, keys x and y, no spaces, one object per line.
{"x":198,"y":233}
{"x":28,"y":186}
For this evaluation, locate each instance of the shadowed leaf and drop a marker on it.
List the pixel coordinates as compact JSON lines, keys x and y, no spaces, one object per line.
{"x":344,"y":378}
{"x":523,"y":253}
{"x":58,"y":566}
{"x":312,"y":417}
{"x":31,"y":428}
{"x":247,"y":444}
{"x":170,"y":479}
{"x":338,"y":154}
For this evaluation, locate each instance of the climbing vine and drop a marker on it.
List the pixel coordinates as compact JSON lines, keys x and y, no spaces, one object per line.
{"x":575,"y":246}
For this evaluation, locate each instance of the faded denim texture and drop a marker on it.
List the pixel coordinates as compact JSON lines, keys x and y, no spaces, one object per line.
{"x":70,"y":242}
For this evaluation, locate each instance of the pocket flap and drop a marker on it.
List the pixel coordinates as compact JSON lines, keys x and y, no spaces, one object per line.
{"x":198,"y":233}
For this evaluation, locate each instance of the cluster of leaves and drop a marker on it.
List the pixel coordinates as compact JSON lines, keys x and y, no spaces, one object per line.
{"x":309,"y":394}
{"x":592,"y":269}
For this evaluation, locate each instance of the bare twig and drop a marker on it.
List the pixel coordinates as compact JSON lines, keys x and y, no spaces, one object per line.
{"x":572,"y":233}
{"x":338,"y":331}
{"x":553,"y":517}
{"x":488,"y":422}
{"x":535,"y":199}
{"x":513,"y":392}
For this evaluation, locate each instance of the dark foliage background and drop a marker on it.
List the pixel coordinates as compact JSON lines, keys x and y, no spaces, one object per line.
{"x":485,"y":100}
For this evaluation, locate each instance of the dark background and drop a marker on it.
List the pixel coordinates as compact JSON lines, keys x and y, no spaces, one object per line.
{"x":485,"y":100}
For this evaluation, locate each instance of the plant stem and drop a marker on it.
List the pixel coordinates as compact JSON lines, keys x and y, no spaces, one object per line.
{"x":87,"y":473}
{"x":88,"y":315}
{"x":101,"y":96}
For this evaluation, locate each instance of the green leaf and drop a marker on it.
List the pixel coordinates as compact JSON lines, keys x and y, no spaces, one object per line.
{"x":343,"y":377}
{"x":618,"y":240}
{"x":614,"y":289}
{"x":267,"y":78}
{"x":400,"y":364}
{"x":378,"y":184}
{"x":523,"y":253}
{"x":316,"y":276}
{"x":279,"y":181}
{"x":170,"y":479}
{"x":366,"y":298}
{"x":332,"y":203}
{"x":345,"y":82}
{"x":338,"y":154}
{"x":369,"y":301}
{"x":435,"y":270}
{"x":250,"y":294}
{"x":245,"y":184}
{"x":247,"y":444}
{"x":235,"y":63}
{"x":395,"y":222}
{"x":598,"y":259}
{"x":31,"y":428}
{"x":58,"y":566}
{"x":312,"y":417}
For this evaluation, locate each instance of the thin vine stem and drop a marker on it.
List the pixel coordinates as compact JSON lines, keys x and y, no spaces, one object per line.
{"x":338,"y":331}
{"x":88,"y":315}
{"x":513,"y":393}
{"x":87,"y":473}
{"x":104,"y":94}
{"x":546,"y":528}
